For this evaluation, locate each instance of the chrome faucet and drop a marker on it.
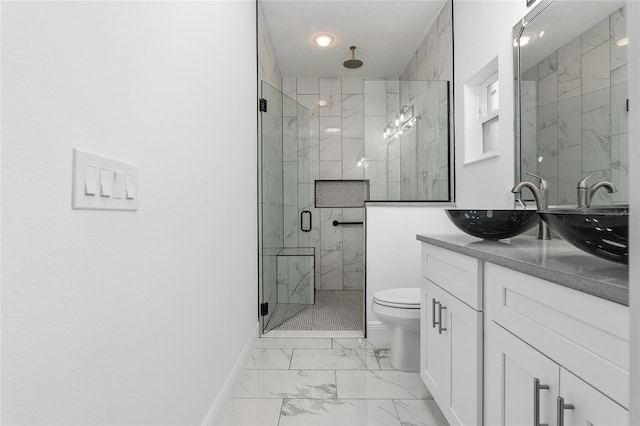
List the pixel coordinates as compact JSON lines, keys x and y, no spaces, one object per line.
{"x":540,"y":195}
{"x":585,"y":193}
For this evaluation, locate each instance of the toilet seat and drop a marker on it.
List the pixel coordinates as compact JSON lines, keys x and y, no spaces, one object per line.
{"x":405,"y":298}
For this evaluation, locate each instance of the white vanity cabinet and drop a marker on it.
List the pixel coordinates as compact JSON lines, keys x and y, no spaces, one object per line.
{"x":553,"y":355}
{"x":502,"y":346}
{"x":523,"y":388}
{"x":451,"y":334}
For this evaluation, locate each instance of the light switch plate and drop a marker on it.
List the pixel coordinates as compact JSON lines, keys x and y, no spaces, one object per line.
{"x":105,"y":198}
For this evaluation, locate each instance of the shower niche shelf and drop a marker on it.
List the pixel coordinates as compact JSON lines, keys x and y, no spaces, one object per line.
{"x":341,"y":193}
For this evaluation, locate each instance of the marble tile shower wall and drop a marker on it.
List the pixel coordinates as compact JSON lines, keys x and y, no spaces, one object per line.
{"x":326,"y":155}
{"x":432,"y":61}
{"x":574,"y":115}
{"x":414,"y":166}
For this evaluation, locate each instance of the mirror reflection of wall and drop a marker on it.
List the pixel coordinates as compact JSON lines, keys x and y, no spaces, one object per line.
{"x":573,"y":107}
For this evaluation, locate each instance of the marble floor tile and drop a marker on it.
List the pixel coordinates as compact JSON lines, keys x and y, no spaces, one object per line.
{"x":380,"y":340}
{"x":285,"y":384}
{"x":419,"y":412}
{"x":380,"y":384}
{"x":250,"y":412}
{"x":269,"y":359}
{"x":384,"y":360}
{"x":293,"y":342}
{"x":326,"y":382}
{"x":338,"y":412}
{"x":334,"y":359}
{"x":352,"y":344}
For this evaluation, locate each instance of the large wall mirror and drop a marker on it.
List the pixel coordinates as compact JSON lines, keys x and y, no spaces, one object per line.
{"x":572,"y":98}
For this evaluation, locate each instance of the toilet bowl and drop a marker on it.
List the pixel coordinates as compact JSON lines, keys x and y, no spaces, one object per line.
{"x":399,"y":310}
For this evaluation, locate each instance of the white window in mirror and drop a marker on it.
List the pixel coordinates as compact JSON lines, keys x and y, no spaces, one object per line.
{"x":489,"y":108}
{"x":481,"y":115}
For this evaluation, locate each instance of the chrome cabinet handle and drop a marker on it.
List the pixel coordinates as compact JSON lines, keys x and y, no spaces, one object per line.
{"x":440,"y":327}
{"x":536,"y":402}
{"x":561,"y":407}
{"x":433,"y":313}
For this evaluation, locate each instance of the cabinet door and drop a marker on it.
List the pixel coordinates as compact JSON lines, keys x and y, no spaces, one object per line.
{"x":431,"y":342}
{"x":510,"y":369}
{"x":591,"y":407}
{"x":586,"y":334}
{"x":462,"y":403}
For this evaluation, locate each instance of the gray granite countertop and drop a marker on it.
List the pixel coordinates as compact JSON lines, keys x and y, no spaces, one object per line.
{"x":552,"y":260}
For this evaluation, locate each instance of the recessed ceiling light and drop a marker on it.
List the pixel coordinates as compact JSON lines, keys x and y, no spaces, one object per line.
{"x":332,"y":130}
{"x":622,"y":42}
{"x":541,"y":34}
{"x":323,"y":40}
{"x":322,"y":102}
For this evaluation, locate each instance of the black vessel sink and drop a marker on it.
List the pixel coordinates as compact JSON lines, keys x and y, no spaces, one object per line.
{"x":601,"y":231}
{"x":494,"y":224}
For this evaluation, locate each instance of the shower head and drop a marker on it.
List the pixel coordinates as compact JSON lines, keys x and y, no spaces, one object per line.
{"x":352,"y":63}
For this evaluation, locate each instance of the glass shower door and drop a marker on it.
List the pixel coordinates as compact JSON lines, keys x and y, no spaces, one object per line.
{"x":287,"y":262}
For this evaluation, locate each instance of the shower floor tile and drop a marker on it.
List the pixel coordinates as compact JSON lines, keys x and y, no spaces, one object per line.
{"x":332,"y":311}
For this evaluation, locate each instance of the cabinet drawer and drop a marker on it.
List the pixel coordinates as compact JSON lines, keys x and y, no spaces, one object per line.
{"x":587,"y":335}
{"x":456,"y":273}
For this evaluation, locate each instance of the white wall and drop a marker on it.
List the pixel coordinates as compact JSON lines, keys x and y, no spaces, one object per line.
{"x":633,"y":15}
{"x":482,"y":31}
{"x":267,"y":66}
{"x":127,"y":317}
{"x":393,"y":253}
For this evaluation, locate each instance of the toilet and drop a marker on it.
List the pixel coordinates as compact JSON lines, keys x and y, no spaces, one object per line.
{"x":399,"y":310}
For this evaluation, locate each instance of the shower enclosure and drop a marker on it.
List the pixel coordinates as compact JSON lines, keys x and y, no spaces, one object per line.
{"x":287,"y":262}
{"x":322,"y":156}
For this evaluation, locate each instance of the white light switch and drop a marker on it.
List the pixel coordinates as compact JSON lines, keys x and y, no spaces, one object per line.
{"x":90,"y":184}
{"x":106,"y":183}
{"x":130,"y":187}
{"x":101,"y":183}
{"x":118,"y":189}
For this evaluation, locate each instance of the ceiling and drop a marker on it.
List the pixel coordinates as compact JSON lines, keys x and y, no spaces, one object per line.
{"x":385,"y":32}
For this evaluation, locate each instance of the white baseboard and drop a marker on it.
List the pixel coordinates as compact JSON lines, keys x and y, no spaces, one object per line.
{"x":378,"y":334}
{"x":225,"y":393}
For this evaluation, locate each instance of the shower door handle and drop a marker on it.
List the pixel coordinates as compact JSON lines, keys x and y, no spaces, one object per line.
{"x":305,"y":221}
